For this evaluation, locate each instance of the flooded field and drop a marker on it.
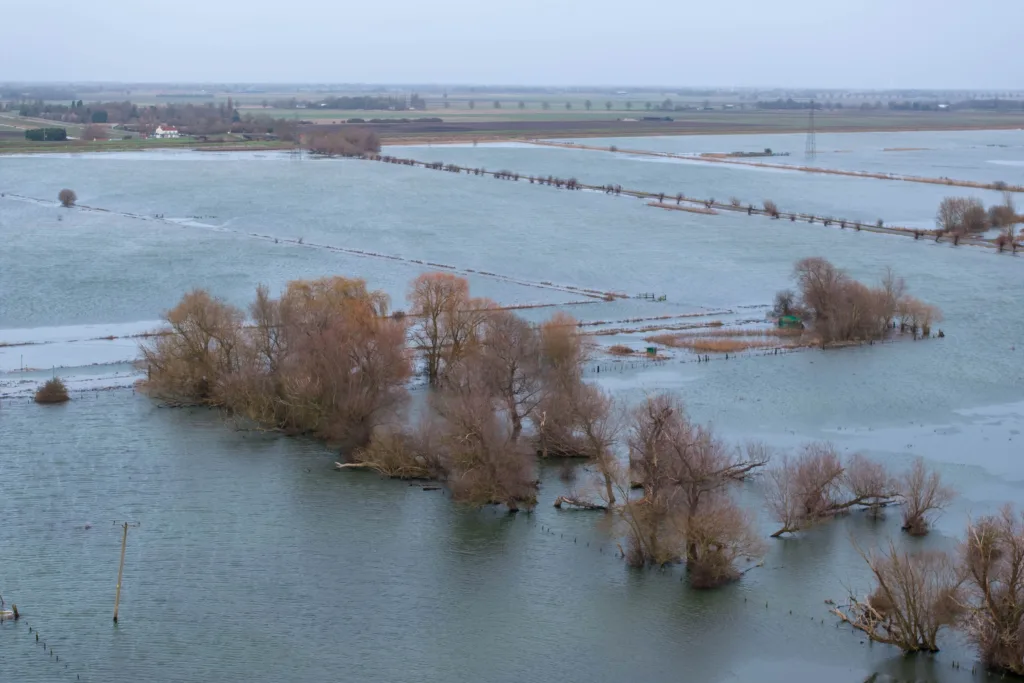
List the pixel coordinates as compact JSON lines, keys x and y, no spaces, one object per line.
{"x":256,"y":561}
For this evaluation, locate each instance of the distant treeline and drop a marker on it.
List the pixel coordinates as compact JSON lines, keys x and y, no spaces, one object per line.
{"x":422,"y":119}
{"x":900,"y":105}
{"x":389,"y":103}
{"x":190,"y":118}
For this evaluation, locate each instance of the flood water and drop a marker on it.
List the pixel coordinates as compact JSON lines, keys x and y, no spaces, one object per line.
{"x":255,"y":561}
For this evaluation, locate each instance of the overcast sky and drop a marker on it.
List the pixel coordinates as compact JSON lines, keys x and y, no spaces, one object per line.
{"x":824,"y":43}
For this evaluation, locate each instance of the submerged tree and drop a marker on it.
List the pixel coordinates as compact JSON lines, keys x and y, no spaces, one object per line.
{"x":816,"y":485}
{"x":324,"y":359}
{"x":915,"y":596}
{"x":67,"y":198}
{"x":924,"y":495}
{"x":686,"y":512}
{"x":992,"y":563}
{"x":449,"y":321}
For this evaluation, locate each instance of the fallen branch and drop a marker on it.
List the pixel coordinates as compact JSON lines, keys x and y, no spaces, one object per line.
{"x":578,"y":503}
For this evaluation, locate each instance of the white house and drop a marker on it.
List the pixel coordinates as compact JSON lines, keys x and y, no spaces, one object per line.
{"x":166,"y":132}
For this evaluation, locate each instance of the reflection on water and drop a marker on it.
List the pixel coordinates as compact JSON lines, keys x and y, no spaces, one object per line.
{"x":255,"y":561}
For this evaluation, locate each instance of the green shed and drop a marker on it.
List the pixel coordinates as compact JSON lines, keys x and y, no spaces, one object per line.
{"x":790,"y":321}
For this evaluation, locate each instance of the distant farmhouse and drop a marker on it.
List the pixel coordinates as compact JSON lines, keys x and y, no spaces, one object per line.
{"x":166,"y":132}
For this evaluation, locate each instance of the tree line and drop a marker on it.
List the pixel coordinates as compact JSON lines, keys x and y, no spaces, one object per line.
{"x":960,"y":217}
{"x":843,"y":309}
{"x":191,"y":118}
{"x":330,"y":358}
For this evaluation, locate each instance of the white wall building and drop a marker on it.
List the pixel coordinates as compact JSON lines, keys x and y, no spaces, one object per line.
{"x":166,"y":132}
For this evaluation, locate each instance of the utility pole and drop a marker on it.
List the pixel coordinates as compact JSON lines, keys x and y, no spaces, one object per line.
{"x":120,"y":569}
{"x":811,"y":146}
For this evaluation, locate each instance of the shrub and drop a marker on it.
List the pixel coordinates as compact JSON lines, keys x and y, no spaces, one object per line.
{"x":817,"y":485}
{"x":67,"y":198}
{"x":621,"y":350}
{"x":771,"y":208}
{"x":846,"y":310}
{"x":347,"y":143}
{"x":914,"y":598}
{"x":686,"y":511}
{"x":54,"y":391}
{"x":325,"y":359}
{"x":784,"y":302}
{"x":94,"y":132}
{"x":923,"y":495}
{"x":961,"y":215}
{"x":992,"y":562}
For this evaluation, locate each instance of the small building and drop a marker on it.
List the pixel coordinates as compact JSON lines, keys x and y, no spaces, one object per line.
{"x":166,"y":132}
{"x":791,"y":321}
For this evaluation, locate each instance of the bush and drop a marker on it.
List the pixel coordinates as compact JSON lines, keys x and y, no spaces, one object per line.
{"x":54,"y":391}
{"x":962,"y":215}
{"x":771,"y":208}
{"x":325,"y":359}
{"x":67,"y":198}
{"x":46,"y":134}
{"x":94,"y":132}
{"x":347,"y":143}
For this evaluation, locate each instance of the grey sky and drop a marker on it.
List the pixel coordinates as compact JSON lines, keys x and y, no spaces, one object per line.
{"x":826,"y":43}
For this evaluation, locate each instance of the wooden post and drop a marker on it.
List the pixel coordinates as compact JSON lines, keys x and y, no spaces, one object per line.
{"x":120,"y":569}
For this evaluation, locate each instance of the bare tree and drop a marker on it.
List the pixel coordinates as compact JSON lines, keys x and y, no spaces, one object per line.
{"x":685,"y":511}
{"x":923,"y":496}
{"x":511,"y":358}
{"x":816,"y":485}
{"x":449,"y":320}
{"x":67,"y":198}
{"x":95,"y":131}
{"x":992,"y":563}
{"x":324,"y":359}
{"x":785,"y":302}
{"x":597,"y":423}
{"x":961,"y":215}
{"x":193,"y":359}
{"x":562,"y":358}
{"x":914,"y":598}
{"x":484,"y":465}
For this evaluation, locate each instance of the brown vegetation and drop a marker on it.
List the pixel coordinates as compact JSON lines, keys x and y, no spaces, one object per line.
{"x":350,"y":142}
{"x":915,"y":596}
{"x":719,"y":345}
{"x":845,"y":310}
{"x":816,"y":485}
{"x":961,"y":216}
{"x":324,"y":359}
{"x":620,"y":350}
{"x":53,"y":391}
{"x":67,"y":198}
{"x":686,"y":511}
{"x":923,"y":496}
{"x":771,"y":208}
{"x":992,"y":564}
{"x":95,"y":131}
{"x":449,"y":320}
